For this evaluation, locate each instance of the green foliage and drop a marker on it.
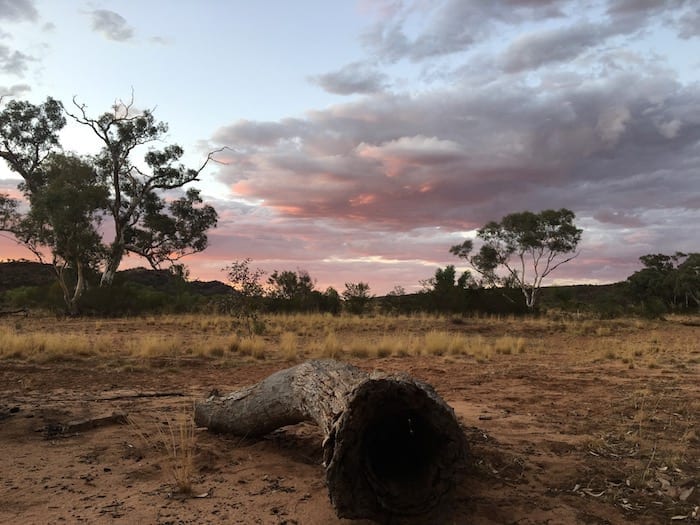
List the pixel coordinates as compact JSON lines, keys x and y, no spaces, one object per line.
{"x":69,"y":196}
{"x":523,"y":244}
{"x":330,"y":301}
{"x":292,"y":291}
{"x":144,"y":224}
{"x":356,"y":297}
{"x":446,"y":292}
{"x":67,"y":199}
{"x":667,"y":282}
{"x":65,"y":212}
{"x":246,"y":299}
{"x":45,"y":297}
{"x":606,"y":301}
{"x":29,"y":134}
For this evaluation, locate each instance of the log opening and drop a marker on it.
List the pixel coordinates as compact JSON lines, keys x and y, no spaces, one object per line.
{"x":391,"y":445}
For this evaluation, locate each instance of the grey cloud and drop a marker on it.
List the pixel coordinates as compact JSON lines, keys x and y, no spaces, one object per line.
{"x":356,"y":77}
{"x":537,"y":49}
{"x":618,"y":218}
{"x":7,"y":183}
{"x":246,"y":132}
{"x":14,"y":91}
{"x":18,"y":10}
{"x":630,"y":15}
{"x":111,"y":25}
{"x":641,"y":7}
{"x":390,"y":43}
{"x":457,"y":159}
{"x":161,"y":40}
{"x":452,"y":26}
{"x":689,"y":25}
{"x":13,"y":61}
{"x":620,"y":148}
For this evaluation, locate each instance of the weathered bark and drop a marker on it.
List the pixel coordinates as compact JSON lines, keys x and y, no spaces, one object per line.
{"x":391,"y":445}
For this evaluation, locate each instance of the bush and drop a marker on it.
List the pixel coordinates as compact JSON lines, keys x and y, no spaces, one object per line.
{"x":48,"y":297}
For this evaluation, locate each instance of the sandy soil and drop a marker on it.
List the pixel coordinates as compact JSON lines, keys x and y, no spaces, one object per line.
{"x":554,"y":440}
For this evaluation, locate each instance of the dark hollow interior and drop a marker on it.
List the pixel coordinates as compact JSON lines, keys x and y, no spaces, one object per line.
{"x":400,"y":451}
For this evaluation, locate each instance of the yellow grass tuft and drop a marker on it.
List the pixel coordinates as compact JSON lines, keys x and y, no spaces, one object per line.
{"x":289,"y":346}
{"x":330,"y":347}
{"x":253,"y":346}
{"x":508,"y":345}
{"x":179,"y":442}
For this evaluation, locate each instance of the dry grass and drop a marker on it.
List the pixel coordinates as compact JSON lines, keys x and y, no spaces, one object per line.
{"x":46,"y":347}
{"x":289,"y":346}
{"x":253,"y":346}
{"x":329,"y":346}
{"x":177,"y":440}
{"x":290,"y":337}
{"x":644,"y":430}
{"x":639,"y":442}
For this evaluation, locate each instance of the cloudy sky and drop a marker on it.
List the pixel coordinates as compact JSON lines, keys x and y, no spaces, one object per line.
{"x":368,"y":136}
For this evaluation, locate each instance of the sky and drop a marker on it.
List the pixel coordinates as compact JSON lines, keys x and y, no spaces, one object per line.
{"x":366,"y":137}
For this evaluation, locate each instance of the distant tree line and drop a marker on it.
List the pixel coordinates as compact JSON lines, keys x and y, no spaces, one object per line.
{"x":665,"y":284}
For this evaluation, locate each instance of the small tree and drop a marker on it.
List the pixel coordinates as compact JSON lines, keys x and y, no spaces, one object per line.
{"x":330,"y":301}
{"x":529,"y":246}
{"x":445,"y":293}
{"x":246,"y":300}
{"x":356,"y":297}
{"x":290,"y":286}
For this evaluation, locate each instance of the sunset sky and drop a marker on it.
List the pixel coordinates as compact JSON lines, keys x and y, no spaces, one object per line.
{"x":367,"y":137}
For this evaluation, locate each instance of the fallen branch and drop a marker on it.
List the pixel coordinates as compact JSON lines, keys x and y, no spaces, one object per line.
{"x":81,"y":425}
{"x":391,"y":445}
{"x":23,"y":311}
{"x":137,"y":395}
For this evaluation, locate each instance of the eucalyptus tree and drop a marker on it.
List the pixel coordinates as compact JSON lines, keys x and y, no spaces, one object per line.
{"x":143,"y":221}
{"x":66,"y":206}
{"x":528,"y":246}
{"x":66,"y":198}
{"x":63,"y":195}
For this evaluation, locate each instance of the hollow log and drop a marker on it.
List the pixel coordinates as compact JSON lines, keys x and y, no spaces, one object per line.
{"x":391,"y":446}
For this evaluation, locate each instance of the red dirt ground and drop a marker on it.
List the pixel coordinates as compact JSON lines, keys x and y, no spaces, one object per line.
{"x":553,"y":439}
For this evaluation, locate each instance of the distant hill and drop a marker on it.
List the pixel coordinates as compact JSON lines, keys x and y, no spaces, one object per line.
{"x":15,"y":274}
{"x":163,"y":280}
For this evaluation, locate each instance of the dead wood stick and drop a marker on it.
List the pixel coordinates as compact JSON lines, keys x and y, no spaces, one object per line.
{"x":54,"y":429}
{"x":137,"y":395}
{"x":14,"y":312}
{"x":391,"y":445}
